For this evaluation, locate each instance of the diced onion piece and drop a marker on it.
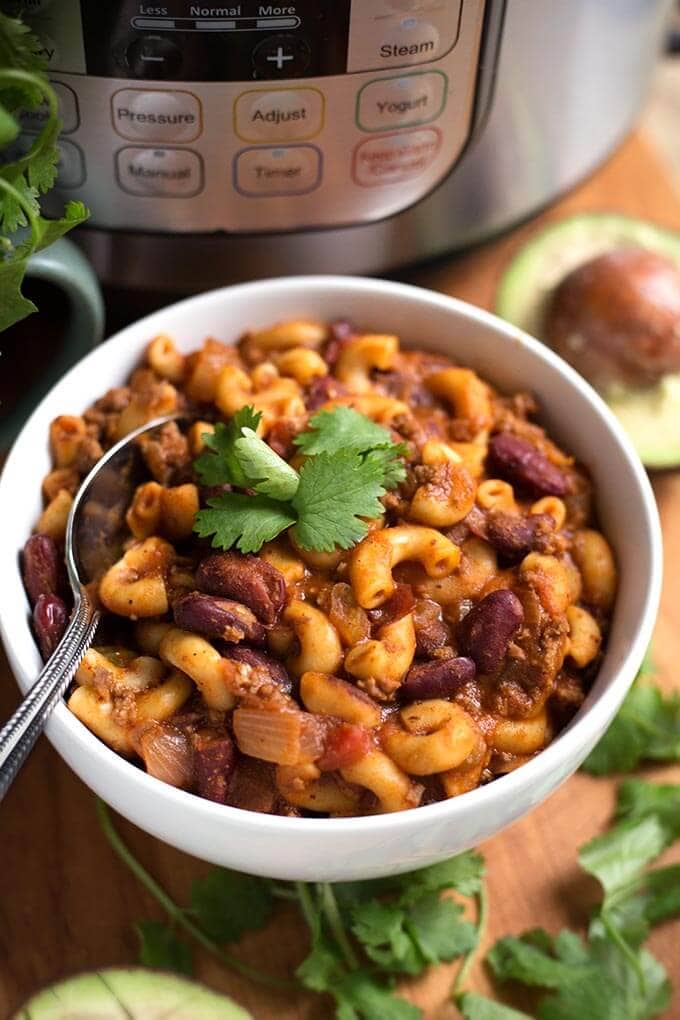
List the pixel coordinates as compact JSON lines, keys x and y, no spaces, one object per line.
{"x":284,"y":737}
{"x":167,"y":754}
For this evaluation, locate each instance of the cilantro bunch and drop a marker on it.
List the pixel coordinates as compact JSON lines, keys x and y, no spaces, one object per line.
{"x":23,"y":178}
{"x":364,"y":935}
{"x":350,"y":463}
{"x":609,"y":975}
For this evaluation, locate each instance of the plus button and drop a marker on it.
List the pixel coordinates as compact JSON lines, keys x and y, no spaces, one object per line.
{"x":279,"y":58}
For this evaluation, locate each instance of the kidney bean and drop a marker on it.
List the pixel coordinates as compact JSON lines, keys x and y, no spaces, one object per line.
{"x":217,"y":618}
{"x":40,"y":567}
{"x":50,"y":617}
{"x":440,"y":678}
{"x":400,"y":602}
{"x":214,"y":763}
{"x":431,"y":630}
{"x":260,"y":660}
{"x":339,"y":332}
{"x":522,"y":463}
{"x":322,"y":389}
{"x":514,"y":535}
{"x":345,"y":745}
{"x":485,"y":633}
{"x":248,"y":579}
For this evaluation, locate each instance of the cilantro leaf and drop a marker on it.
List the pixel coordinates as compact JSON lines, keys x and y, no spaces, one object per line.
{"x":620,"y":855}
{"x":227,"y":903}
{"x":360,"y":997}
{"x":436,"y":927}
{"x":160,"y":948}
{"x":381,"y":929}
{"x":219,"y":465}
{"x":638,"y":799}
{"x":477,"y":1007}
{"x":464,"y":873}
{"x":334,"y":492}
{"x":265,"y":470}
{"x":391,"y":464}
{"x":343,"y":428}
{"x":647,"y":727}
{"x":244,"y":521}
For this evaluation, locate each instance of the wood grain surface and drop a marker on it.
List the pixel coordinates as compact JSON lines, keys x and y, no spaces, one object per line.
{"x":66,"y":904}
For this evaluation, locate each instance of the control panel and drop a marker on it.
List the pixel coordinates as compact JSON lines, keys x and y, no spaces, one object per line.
{"x":255,"y":116}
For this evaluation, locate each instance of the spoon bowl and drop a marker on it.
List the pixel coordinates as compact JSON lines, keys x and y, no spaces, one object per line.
{"x":94,"y":536}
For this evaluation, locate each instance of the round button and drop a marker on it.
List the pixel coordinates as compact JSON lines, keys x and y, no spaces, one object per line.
{"x":153,"y":56}
{"x":281,"y":56}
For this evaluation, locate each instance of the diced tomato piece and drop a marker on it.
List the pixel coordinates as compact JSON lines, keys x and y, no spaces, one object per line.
{"x":345,"y":745}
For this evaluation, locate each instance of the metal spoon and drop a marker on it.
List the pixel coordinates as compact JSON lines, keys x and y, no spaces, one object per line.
{"x":94,"y":535}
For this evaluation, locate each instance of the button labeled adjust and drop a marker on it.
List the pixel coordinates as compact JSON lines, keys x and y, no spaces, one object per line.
{"x":278,"y":115}
{"x":401,"y":102}
{"x":156,"y":116}
{"x":395,"y":158}
{"x":281,"y":170}
{"x":165,"y":173}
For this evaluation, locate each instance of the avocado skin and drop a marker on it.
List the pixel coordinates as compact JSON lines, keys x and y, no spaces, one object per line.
{"x":651,"y":416}
{"x":125,"y":993}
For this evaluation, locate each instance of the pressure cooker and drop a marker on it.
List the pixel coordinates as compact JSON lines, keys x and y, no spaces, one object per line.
{"x":215,"y":142}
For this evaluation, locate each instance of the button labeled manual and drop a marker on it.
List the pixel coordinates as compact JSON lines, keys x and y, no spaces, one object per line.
{"x":405,"y":101}
{"x":391,"y":159}
{"x":156,"y":115}
{"x":280,"y":170}
{"x":165,"y":173}
{"x":278,"y":115}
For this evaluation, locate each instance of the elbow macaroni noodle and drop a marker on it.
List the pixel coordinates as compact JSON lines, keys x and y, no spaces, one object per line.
{"x":318,"y":662}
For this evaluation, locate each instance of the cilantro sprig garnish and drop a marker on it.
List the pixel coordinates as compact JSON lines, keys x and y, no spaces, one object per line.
{"x":350,"y":464}
{"x":25,"y":177}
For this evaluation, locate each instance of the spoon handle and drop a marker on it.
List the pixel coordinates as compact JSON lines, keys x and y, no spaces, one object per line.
{"x":21,"y":731}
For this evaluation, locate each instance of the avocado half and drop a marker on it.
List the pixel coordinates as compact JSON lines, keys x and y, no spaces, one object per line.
{"x":651,"y":416}
{"x":129,"y":994}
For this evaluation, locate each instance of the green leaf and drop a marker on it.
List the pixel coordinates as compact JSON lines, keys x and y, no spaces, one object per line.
{"x":436,"y":927}
{"x":13,"y":306}
{"x":638,"y":799}
{"x":227,"y":903}
{"x":265,"y":470}
{"x":464,"y":873}
{"x":360,"y":997}
{"x":655,"y":897}
{"x":525,"y":959}
{"x":647,"y":727}
{"x":380,"y":927}
{"x":321,"y":969}
{"x":244,"y":521}
{"x":620,"y":855}
{"x":160,"y":948}
{"x":342,"y":429}
{"x":476,"y":1007}
{"x":390,"y":464}
{"x":219,"y":465}
{"x":334,"y":492}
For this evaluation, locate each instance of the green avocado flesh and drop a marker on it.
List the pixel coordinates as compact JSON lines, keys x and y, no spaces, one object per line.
{"x":129,"y":994}
{"x":650,"y":416}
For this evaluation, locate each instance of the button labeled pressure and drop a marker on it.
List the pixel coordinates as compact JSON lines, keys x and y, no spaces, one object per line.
{"x":401,"y":102}
{"x":280,"y":170}
{"x":391,"y":159}
{"x":165,"y":173}
{"x":156,"y":115}
{"x":278,"y":115}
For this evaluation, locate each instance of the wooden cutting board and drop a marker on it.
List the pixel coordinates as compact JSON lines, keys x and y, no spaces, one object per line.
{"x":66,"y":904}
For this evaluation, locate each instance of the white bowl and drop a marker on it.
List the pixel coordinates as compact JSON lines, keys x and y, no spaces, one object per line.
{"x":351,"y":848}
